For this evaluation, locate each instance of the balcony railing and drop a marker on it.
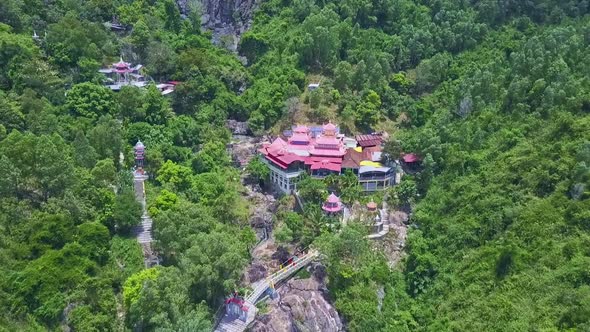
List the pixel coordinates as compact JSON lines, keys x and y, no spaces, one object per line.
{"x":376,"y":177}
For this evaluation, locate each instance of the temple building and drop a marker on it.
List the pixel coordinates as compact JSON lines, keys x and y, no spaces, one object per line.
{"x":321,"y":151}
{"x":122,"y":74}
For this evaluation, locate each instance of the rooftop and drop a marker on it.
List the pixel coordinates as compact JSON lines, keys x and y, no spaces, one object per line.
{"x":410,"y":158}
{"x":320,"y":148}
{"x":368,"y":140}
{"x":332,"y":204}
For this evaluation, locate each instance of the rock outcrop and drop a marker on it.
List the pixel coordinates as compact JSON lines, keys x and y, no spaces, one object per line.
{"x":300,"y":306}
{"x":227,"y":19}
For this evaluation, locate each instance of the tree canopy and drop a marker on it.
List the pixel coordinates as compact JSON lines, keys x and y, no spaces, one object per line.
{"x":493,"y":96}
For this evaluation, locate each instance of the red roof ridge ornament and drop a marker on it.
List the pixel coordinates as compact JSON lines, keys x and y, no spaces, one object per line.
{"x":121,"y":63}
{"x":329,"y":126}
{"x":333,"y":198}
{"x":301,"y":129}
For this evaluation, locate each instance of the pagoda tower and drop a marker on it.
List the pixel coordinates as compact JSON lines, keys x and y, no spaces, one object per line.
{"x":139,"y":150}
{"x":332,"y":205}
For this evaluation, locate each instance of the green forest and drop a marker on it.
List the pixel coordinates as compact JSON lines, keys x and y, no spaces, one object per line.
{"x":494,"y":95}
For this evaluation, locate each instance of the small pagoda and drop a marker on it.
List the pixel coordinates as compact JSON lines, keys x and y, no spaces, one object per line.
{"x":332,"y":205}
{"x":371,"y":207}
{"x":121,"y":73}
{"x":139,"y":151}
{"x":235,"y":307}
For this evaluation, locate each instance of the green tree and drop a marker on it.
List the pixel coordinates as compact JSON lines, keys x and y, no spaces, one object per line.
{"x":11,"y":116}
{"x":84,"y":153}
{"x":155,"y":107}
{"x":106,"y":138}
{"x":213,"y":156}
{"x":90,"y":100}
{"x":258,"y":170}
{"x":134,"y":284}
{"x":126,"y":211}
{"x":406,"y":191}
{"x":312,"y":191}
{"x":177,"y":176}
{"x":165,"y":201}
{"x":253,"y":46}
{"x":104,"y":172}
{"x":131,"y":100}
{"x":94,"y":237}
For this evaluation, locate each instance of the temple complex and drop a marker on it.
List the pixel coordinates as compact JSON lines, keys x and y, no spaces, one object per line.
{"x":321,"y":151}
{"x":122,"y":74}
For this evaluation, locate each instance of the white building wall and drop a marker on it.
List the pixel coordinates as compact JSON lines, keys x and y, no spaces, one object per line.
{"x":282,"y":180}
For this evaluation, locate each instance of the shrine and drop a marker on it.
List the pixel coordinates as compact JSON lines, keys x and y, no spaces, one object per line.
{"x":235,"y":307}
{"x":122,"y":74}
{"x":139,"y":150}
{"x":372,"y":206}
{"x":332,"y":205}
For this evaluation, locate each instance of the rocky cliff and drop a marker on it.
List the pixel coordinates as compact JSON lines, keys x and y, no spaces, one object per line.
{"x":301,"y":306}
{"x":227,"y":19}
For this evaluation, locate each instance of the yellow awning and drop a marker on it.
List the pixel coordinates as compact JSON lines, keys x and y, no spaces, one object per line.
{"x":358,"y":149}
{"x":370,"y":163}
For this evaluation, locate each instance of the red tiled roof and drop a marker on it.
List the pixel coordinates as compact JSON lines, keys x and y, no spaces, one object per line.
{"x":352,"y":159}
{"x":277,"y":161}
{"x":333,"y":198}
{"x":290,"y":158}
{"x":325,"y":164}
{"x":327,"y":140}
{"x":368,"y":140}
{"x":316,"y":159}
{"x":328,"y":153}
{"x":410,"y":158}
{"x":329,"y":126}
{"x":299,"y":137}
{"x":234,"y":300}
{"x":301,"y":129}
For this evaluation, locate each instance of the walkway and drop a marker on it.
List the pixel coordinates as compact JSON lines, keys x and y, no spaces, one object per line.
{"x":143,"y":231}
{"x":230,"y":324}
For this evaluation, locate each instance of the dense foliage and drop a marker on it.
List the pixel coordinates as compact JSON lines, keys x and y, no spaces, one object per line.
{"x":67,"y":202}
{"x":493,"y":95}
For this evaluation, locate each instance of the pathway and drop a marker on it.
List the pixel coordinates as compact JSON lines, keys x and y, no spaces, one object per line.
{"x":143,"y":231}
{"x":230,"y":324}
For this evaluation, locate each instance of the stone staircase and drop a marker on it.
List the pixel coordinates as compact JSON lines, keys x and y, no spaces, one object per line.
{"x":143,"y":231}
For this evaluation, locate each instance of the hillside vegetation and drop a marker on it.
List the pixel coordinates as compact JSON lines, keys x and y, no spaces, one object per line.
{"x":495,"y":99}
{"x":493,"y":95}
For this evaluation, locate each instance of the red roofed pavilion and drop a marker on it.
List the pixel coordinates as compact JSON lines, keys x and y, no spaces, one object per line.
{"x":332,"y":204}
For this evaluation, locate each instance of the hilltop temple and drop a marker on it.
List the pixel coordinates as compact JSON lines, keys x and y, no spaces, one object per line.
{"x":321,"y":151}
